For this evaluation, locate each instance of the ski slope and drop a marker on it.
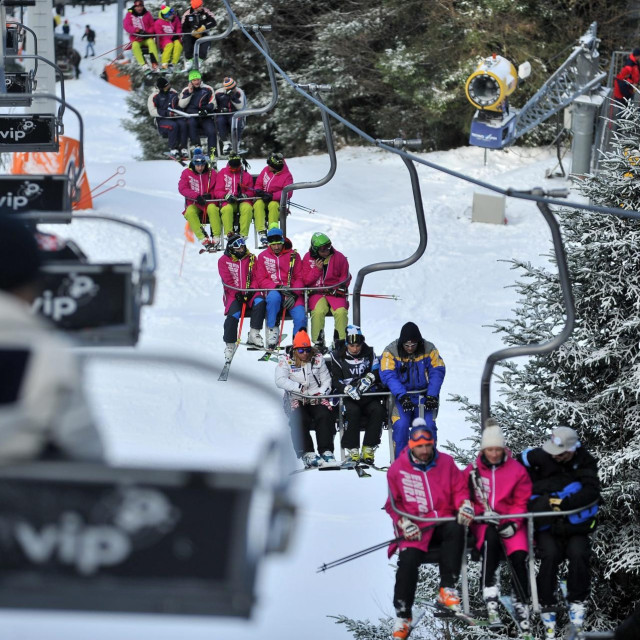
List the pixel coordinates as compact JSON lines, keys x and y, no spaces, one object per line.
{"x":156,"y":416}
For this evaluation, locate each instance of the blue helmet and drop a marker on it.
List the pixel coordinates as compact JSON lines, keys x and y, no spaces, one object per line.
{"x":275,"y":235}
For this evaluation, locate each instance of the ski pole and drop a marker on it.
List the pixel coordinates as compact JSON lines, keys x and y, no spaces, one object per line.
{"x":244,"y":308}
{"x":284,"y":312}
{"x":364,"y":552}
{"x":125,"y":44}
{"x":380,"y":296}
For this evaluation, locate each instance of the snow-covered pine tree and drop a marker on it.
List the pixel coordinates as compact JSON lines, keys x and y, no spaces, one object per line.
{"x":592,"y":383}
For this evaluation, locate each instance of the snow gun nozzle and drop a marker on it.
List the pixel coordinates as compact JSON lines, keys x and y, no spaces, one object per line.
{"x":401,"y":143}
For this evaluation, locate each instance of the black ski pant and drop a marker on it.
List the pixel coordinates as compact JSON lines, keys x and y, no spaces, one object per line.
{"x":255,"y":312}
{"x":312,"y":416}
{"x":493,"y":554}
{"x":224,"y":127}
{"x":208,"y":125}
{"x":188,"y":42}
{"x":175,"y":129}
{"x":372,"y":410}
{"x":552,"y":550}
{"x":449,"y":537}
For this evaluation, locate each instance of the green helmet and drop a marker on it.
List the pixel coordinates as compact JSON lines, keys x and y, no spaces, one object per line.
{"x":319,"y":240}
{"x":194,"y":74}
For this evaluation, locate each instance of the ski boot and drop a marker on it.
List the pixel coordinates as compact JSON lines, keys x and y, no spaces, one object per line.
{"x":522,"y":618}
{"x":262,"y":239}
{"x":328,"y":457}
{"x":273,"y":334}
{"x":255,"y":338}
{"x":208,"y":245}
{"x":311,"y":460}
{"x":549,"y":623}
{"x":401,"y":628}
{"x":352,"y":455}
{"x":229,"y":350}
{"x":449,"y":599}
{"x":577,"y":612}
{"x":368,"y":455}
{"x":490,"y":596}
{"x":184,"y":152}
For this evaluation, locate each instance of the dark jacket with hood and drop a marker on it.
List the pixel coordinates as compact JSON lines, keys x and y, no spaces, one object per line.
{"x":402,"y":372}
{"x":349,"y":369}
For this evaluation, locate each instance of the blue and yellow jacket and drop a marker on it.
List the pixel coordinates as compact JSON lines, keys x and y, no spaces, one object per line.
{"x":422,"y":369}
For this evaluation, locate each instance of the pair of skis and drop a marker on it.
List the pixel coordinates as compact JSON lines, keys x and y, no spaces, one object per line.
{"x":337,"y":466}
{"x":224,"y":375}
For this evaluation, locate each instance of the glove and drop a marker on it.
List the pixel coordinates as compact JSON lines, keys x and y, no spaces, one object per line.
{"x":174,"y":38}
{"x":490,"y":513}
{"x":259,"y":193}
{"x":410,"y":530}
{"x":406,"y":403}
{"x":507,"y":529}
{"x":289,"y":299}
{"x":201,"y":200}
{"x":431,"y":403}
{"x":207,"y":196}
{"x":203,"y":112}
{"x":139,"y":31}
{"x":352,"y":392}
{"x":231,"y":199}
{"x":242,"y":298}
{"x":365,"y":383}
{"x":303,"y":389}
{"x":555,"y":504}
{"x":267,"y":197}
{"x":466,"y":514}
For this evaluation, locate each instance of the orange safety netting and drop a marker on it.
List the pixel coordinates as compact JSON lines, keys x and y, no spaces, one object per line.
{"x":49,"y":162}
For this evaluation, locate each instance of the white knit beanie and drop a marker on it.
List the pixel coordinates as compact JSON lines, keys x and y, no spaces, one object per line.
{"x":492,"y":436}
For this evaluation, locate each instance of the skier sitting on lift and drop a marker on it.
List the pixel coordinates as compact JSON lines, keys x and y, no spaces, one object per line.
{"x":228,"y":99}
{"x":427,"y":483}
{"x":237,"y":269}
{"x":139,"y":24}
{"x":196,"y":98}
{"x":499,"y":485}
{"x":407,"y":364}
{"x":233,"y":183}
{"x":324,"y":266}
{"x":280,"y":273}
{"x":168,"y":27}
{"x":196,"y":184}
{"x":565,"y":477}
{"x":355,"y":369}
{"x":269,"y":184}
{"x":161,"y":100}
{"x":302,"y":370}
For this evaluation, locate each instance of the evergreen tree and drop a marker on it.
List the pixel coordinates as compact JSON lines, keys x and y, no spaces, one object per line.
{"x":592,"y":382}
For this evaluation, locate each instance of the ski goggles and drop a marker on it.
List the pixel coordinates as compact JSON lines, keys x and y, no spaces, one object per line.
{"x":199,"y":160}
{"x":355,"y":338}
{"x":237,"y":243}
{"x":303,"y":349}
{"x":324,"y":247}
{"x":276,"y":240}
{"x":421,"y":436}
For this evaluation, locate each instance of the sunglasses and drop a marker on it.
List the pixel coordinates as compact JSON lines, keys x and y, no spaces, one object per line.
{"x":325,"y":247}
{"x":303,"y":349}
{"x":421,"y":435}
{"x":237,"y":243}
{"x":410,"y":343}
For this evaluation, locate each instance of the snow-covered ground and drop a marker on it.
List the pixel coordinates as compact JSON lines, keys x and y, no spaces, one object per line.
{"x":152,"y":416}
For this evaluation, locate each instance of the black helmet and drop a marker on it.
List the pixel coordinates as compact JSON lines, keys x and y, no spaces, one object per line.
{"x":276,"y":161}
{"x":234,"y":160}
{"x":236,"y":244}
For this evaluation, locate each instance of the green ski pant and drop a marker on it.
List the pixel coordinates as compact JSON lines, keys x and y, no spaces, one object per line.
{"x":246,"y":213}
{"x":136,"y":49}
{"x":259,"y":213}
{"x":340,"y":319}
{"x":196,"y":218}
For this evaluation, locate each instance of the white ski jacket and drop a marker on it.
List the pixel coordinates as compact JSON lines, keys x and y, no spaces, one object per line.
{"x":310,"y":379}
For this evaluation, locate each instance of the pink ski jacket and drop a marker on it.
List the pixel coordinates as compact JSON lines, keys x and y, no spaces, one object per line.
{"x":193,"y":184}
{"x":337,"y":270}
{"x":508,"y":489}
{"x":167,"y":29}
{"x":273,"y":183}
{"x":434,"y":490}
{"x":274,"y":270}
{"x":234,"y":272}
{"x":237,"y":183}
{"x":132,"y":23}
